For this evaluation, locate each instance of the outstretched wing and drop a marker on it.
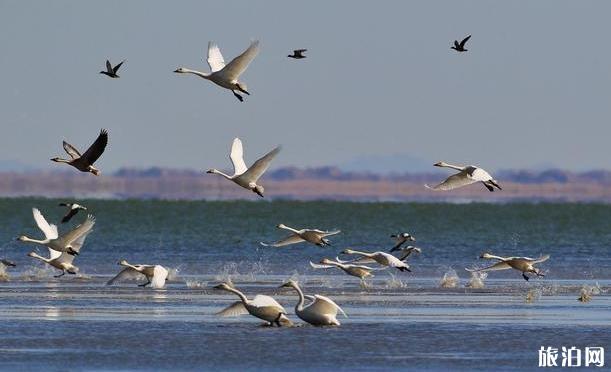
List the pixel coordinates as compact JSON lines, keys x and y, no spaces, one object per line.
{"x":71,"y":150}
{"x":116,"y":68}
{"x":326,"y":233}
{"x":502,"y":265}
{"x":49,"y":230}
{"x":160,"y":274}
{"x":320,"y":266}
{"x":235,"y":309}
{"x":237,"y":157}
{"x":69,"y":215}
{"x":126,"y":274}
{"x":108,"y":66}
{"x":215,"y":58}
{"x":358,"y":261}
{"x":260,"y":166}
{"x":540,"y":259}
{"x":266,"y":301}
{"x":76,"y":237}
{"x":464,"y":41}
{"x":453,"y":182}
{"x":238,"y":65}
{"x":324,"y":305}
{"x":97,"y":148}
{"x":299,"y":51}
{"x":292,"y":239}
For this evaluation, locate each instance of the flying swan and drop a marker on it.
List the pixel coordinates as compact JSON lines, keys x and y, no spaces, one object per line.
{"x":360,"y":271}
{"x":262,"y":307}
{"x":156,"y":275}
{"x":313,"y":236}
{"x":84,"y":162}
{"x":382,"y":258}
{"x":321,"y":311}
{"x":243,"y":176}
{"x":523,"y":264}
{"x":466,"y":176}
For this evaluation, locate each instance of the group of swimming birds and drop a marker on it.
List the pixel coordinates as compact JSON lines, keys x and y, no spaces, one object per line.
{"x":316,"y":309}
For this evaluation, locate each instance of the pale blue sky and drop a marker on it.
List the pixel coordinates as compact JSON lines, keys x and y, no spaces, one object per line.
{"x":533,"y":90}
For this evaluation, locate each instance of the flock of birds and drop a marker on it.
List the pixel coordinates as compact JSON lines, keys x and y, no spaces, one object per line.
{"x":313,"y":309}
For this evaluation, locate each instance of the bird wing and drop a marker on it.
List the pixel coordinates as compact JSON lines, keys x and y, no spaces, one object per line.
{"x":237,"y":157}
{"x":97,"y":148}
{"x":49,"y":230}
{"x":260,"y":166}
{"x":324,"y":305}
{"x":76,"y":237}
{"x":358,"y":261}
{"x":453,"y":182}
{"x":540,"y":259}
{"x":299,"y":51}
{"x":456,"y":45}
{"x":108,"y":66}
{"x":127,"y":273}
{"x":464,"y":41}
{"x":235,"y":309}
{"x":320,"y":266}
{"x":238,"y":65}
{"x":71,"y":150}
{"x":62,"y":257}
{"x":265,"y":301}
{"x":327,"y":233}
{"x":69,"y":215}
{"x":215,"y":58}
{"x":502,"y":265}
{"x":160,"y":274}
{"x":116,"y":68}
{"x":479,"y":174}
{"x":292,"y":239}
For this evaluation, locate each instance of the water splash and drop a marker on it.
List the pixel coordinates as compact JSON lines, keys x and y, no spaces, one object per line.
{"x":196,"y":284}
{"x":588,"y":291}
{"x":4,"y":276}
{"x":394,"y":283}
{"x":477,"y":280}
{"x":37,"y":273}
{"x":173,"y":274}
{"x":449,"y":280}
{"x":533,"y":295}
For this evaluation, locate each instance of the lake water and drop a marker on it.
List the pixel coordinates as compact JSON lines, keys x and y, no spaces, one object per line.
{"x":401,"y":320}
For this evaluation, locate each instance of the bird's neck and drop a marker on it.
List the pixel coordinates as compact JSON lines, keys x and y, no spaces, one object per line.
{"x":29,"y":240}
{"x":240,"y":294}
{"x":299,"y":305}
{"x":288,"y":229}
{"x":195,"y":72}
{"x":362,"y":253}
{"x":126,"y":264}
{"x":216,"y":171}
{"x":47,"y":260}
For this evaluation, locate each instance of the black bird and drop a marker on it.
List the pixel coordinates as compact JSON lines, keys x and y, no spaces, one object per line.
{"x":112,"y":71}
{"x":460,"y":47}
{"x":298,"y":54}
{"x":401,"y":238}
{"x":72,"y":211}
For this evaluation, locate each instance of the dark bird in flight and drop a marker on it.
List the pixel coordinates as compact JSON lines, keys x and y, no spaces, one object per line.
{"x":112,"y":71}
{"x":73,"y":209}
{"x":401,"y":238}
{"x":460,"y":47}
{"x":84,"y":162}
{"x":298,"y":54}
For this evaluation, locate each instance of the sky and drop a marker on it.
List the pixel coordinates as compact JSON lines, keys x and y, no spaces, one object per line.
{"x":380,"y":90}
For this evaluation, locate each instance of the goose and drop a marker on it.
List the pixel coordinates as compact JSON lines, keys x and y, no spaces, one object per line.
{"x":112,"y":71}
{"x":84,"y":162}
{"x":298,"y":54}
{"x":156,"y":275}
{"x":405,"y":252}
{"x":7,"y":263}
{"x":243,"y":176}
{"x":313,"y":236}
{"x":321,"y":311}
{"x":401,"y":238}
{"x":466,"y":176}
{"x":382,"y":258}
{"x":523,"y":264}
{"x":73,"y":209}
{"x":226,"y":76}
{"x":69,"y":242}
{"x":262,"y":307}
{"x":460,"y":47}
{"x":360,"y":271}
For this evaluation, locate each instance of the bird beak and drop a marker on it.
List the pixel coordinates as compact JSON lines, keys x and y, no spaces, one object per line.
{"x":218,"y":286}
{"x":177,"y":71}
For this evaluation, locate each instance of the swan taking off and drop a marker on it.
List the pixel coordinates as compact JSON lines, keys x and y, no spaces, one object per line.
{"x":466,"y":176}
{"x":243,"y":176}
{"x":313,"y":236}
{"x":523,"y":264}
{"x":112,"y":71}
{"x":73,"y":209}
{"x":382,"y":258}
{"x":59,"y":260}
{"x":84,"y":162}
{"x":156,"y":275}
{"x":401,"y":238}
{"x":69,"y":242}
{"x":226,"y":76}
{"x":360,"y":271}
{"x":262,"y":307}
{"x":321,"y":311}
{"x":460,"y":47}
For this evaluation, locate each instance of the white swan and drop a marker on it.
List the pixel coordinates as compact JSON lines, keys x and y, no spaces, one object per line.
{"x":382,"y":258}
{"x":523,"y":264}
{"x":70,"y":242}
{"x":360,"y":271}
{"x":156,"y":275}
{"x":59,"y":260}
{"x":322,"y":311}
{"x":262,"y":307}
{"x":313,"y":236}
{"x":226,"y":76}
{"x":243,"y":176}
{"x":466,"y":176}
{"x":400,"y":239}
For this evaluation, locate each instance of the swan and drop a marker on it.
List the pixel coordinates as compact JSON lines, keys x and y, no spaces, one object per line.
{"x":73,"y":209}
{"x":401,"y":238}
{"x":313,"y":236}
{"x":69,"y":242}
{"x":382,"y":258}
{"x":298,"y":54}
{"x":360,"y":271}
{"x":156,"y":275}
{"x":262,"y":307}
{"x":322,"y":311}
{"x":226,"y":76}
{"x":112,"y":71}
{"x":523,"y":264}
{"x":243,"y":176}
{"x":84,"y":162}
{"x":466,"y":176}
{"x":59,"y":260}
{"x":460,"y":47}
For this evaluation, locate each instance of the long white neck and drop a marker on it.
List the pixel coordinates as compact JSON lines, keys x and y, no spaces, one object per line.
{"x":284,"y":227}
{"x":488,"y":255}
{"x":216,"y":171}
{"x":29,"y":240}
{"x":195,"y":72}
{"x":362,"y":253}
{"x":299,"y":305}
{"x":47,"y":260}
{"x":240,"y":294}
{"x":136,"y":268}
{"x":457,"y":167}
{"x":337,"y":264}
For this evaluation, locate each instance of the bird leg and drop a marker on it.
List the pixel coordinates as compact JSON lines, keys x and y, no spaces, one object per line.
{"x":62,"y":274}
{"x":239,"y":97}
{"x":72,"y":252}
{"x":145,"y":284}
{"x":525,"y":276}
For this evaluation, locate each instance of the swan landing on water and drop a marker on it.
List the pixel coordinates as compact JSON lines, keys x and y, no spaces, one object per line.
{"x":156,"y":275}
{"x":321,"y":311}
{"x":522,"y":264}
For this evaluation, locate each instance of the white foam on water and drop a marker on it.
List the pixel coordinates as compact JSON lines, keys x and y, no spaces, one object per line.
{"x":477,"y":280}
{"x":449,"y":279}
{"x":533,"y":295}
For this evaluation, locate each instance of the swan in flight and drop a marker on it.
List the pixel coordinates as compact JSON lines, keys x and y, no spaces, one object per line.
{"x":226,"y":76}
{"x":465,"y":176}
{"x":262,"y":307}
{"x":382,"y":258}
{"x":298,"y":54}
{"x":84,"y":162}
{"x":69,"y":242}
{"x":321,"y":311}
{"x":156,"y":275}
{"x":73,"y":209}
{"x":523,"y":264}
{"x":243,"y":176}
{"x":313,"y":236}
{"x":401,"y":238}
{"x":460,"y":47}
{"x":360,"y":271}
{"x":112,"y":71}
{"x":59,"y":260}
